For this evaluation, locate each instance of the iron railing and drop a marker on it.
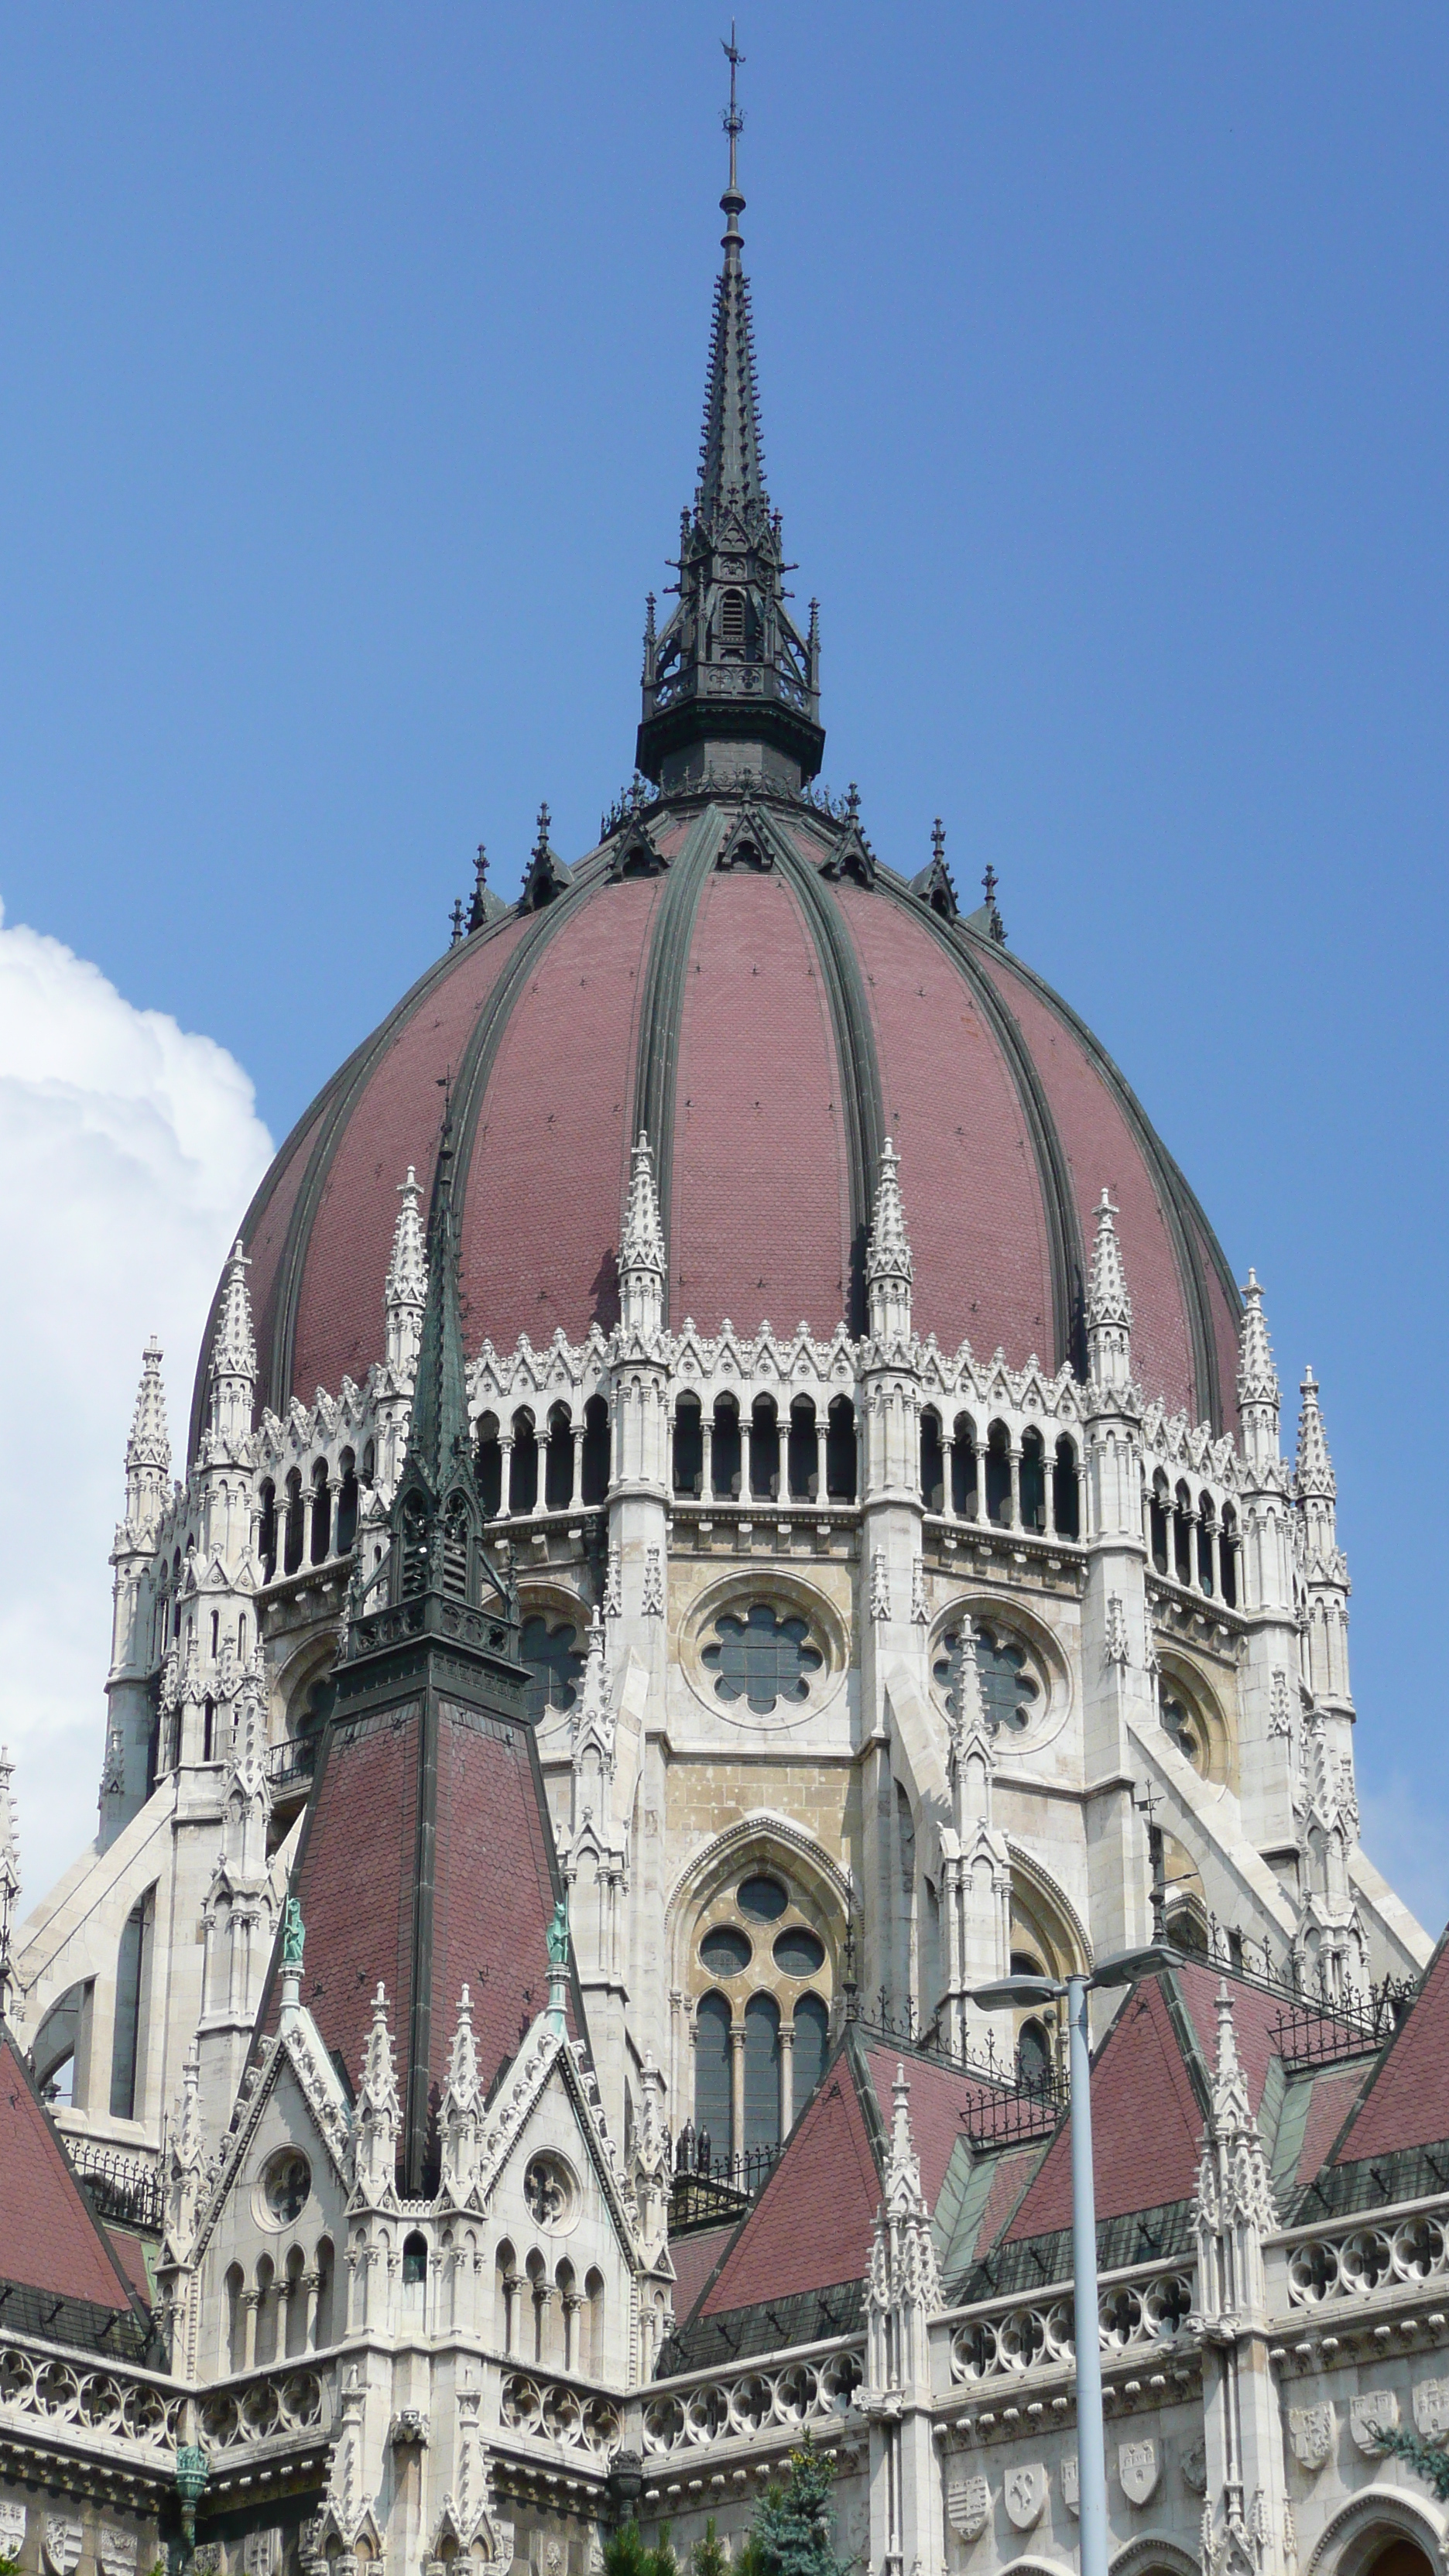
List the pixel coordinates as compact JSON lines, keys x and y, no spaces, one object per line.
{"x":120,"y":2188}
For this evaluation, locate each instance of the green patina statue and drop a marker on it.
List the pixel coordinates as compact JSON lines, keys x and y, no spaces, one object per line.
{"x":293,"y":1934}
{"x":558,"y":1935}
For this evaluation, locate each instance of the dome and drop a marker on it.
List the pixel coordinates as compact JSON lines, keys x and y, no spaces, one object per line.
{"x":735,"y":974}
{"x":731,"y":971}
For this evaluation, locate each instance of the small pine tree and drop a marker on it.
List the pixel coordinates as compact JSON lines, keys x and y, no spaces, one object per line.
{"x":1428,"y":2463}
{"x":791,"y":2533}
{"x":709,"y":2557}
{"x":626,"y":2555}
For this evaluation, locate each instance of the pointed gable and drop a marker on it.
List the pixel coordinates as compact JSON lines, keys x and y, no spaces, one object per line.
{"x":811,"y":2226}
{"x":1142,"y":2062}
{"x":1406,"y":2100}
{"x":50,"y":2242}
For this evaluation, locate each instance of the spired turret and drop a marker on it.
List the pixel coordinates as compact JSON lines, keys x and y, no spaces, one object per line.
{"x":731,"y":686}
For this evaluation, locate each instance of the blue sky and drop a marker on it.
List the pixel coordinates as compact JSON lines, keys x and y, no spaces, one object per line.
{"x":353,"y":365}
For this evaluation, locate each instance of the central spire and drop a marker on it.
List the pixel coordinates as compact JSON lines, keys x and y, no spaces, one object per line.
{"x":731,"y":686}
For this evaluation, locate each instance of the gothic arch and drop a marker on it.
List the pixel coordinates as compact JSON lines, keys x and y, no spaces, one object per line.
{"x":1355,"y":2534}
{"x":1043,"y":1896}
{"x":775,"y":1845}
{"x":1155,"y":2551}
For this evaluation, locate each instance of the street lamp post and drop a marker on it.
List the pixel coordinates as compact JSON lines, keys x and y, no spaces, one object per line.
{"x":1004,"y":1995}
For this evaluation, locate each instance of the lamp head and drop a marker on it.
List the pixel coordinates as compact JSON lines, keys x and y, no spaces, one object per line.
{"x":1008,"y":1993}
{"x":1129,"y":1965}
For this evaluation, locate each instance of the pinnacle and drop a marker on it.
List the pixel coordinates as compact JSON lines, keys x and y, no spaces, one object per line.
{"x":234,"y":1352}
{"x":407,"y":1271}
{"x":149,"y":1444}
{"x":1257,"y":1375}
{"x":1107,"y":1298}
{"x":1315,"y":1467}
{"x":9,"y":1864}
{"x":462,"y":2089}
{"x":731,"y":465}
{"x":378,"y":2098}
{"x":888,"y":1253}
{"x":642,"y":1247}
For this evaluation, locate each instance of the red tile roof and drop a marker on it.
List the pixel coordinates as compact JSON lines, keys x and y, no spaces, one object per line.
{"x":767,"y":1022}
{"x":939,"y":2095}
{"x":1406,"y":2103}
{"x":811,"y":2227}
{"x":1147,"y":2125}
{"x":49,"y":2239}
{"x":694,"y":2258}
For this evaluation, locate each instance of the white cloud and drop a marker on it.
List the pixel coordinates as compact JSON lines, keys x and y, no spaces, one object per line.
{"x":128,"y":1151}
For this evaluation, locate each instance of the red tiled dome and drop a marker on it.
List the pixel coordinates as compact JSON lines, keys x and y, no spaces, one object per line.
{"x":769,"y":1026}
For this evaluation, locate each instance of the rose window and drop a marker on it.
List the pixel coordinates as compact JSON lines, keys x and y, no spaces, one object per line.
{"x":555,"y":1662}
{"x":285,"y":2186}
{"x":547,"y":2192}
{"x":761,"y":1658}
{"x":1010,"y":1692}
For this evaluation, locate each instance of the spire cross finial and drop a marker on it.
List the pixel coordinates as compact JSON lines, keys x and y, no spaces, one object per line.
{"x":732,"y":202}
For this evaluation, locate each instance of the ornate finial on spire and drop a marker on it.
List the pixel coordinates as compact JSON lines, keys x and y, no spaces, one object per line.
{"x":464,"y":2092}
{"x":406,"y":1288}
{"x":1234,"y":2206}
{"x":992,"y":922}
{"x":1316,"y":1479}
{"x":934,"y":884}
{"x":732,"y":203}
{"x":379,"y":2111}
{"x":148,"y":1450}
{"x":643,"y":1263}
{"x":888,"y":1267}
{"x":1258,"y":1390}
{"x":9,"y":1871}
{"x":234,"y":1352}
{"x":1109,"y":1308}
{"x":455,"y":919}
{"x":440,"y":1395}
{"x":150,"y":1443}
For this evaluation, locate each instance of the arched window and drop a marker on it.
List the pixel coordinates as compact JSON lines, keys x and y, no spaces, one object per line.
{"x":596,"y":1451}
{"x":414,"y":2259}
{"x":1182,"y":1536}
{"x":489,"y":1466}
{"x":295,"y":1522}
{"x":688,"y":1446}
{"x":762,"y":2072}
{"x":998,"y":1475}
{"x":215,"y":1632}
{"x":267,"y":1530}
{"x":235,"y":2357}
{"x":840,"y":1460}
{"x":764,"y":1449}
{"x":347,"y":1504}
{"x":1228,"y":1556}
{"x":369,"y":1465}
{"x":208,"y":1729}
{"x":933,"y":1465}
{"x":1033,"y":1481}
{"x":131,"y":1967}
{"x":726,"y":1449}
{"x":325,"y":2325}
{"x":1034,"y":2056}
{"x":1066,"y":1504}
{"x":712,"y":2116}
{"x":593,"y":2324}
{"x":321,"y":1514}
{"x":59,"y":2051}
{"x":803,"y":1452}
{"x":558,"y":1473}
{"x":1206,"y":1544}
{"x":537,"y":2273}
{"x":812,"y":2038}
{"x":1158,"y":1520}
{"x":523,"y":1479}
{"x":965,"y":1484}
{"x":293,"y":2336}
{"x":457,"y":1548}
{"x":564,"y":2281}
{"x":732,"y":622}
{"x":267,"y":2304}
{"x":505,"y":2296}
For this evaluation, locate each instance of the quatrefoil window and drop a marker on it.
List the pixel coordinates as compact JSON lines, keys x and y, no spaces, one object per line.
{"x":1010,"y":1691}
{"x":761,"y":1658}
{"x":548,"y":2192}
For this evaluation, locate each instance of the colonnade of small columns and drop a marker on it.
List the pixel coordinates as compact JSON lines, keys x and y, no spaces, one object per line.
{"x":1010,"y":1480}
{"x":279,"y":2314}
{"x":1189,"y":1540}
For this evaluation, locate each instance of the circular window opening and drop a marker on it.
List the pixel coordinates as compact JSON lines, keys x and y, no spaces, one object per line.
{"x":286,"y":2184}
{"x":548,"y":2189}
{"x":761,"y":1658}
{"x":763,"y":1899}
{"x":725,"y":1951}
{"x":798,"y":1953}
{"x":1011,"y":1695}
